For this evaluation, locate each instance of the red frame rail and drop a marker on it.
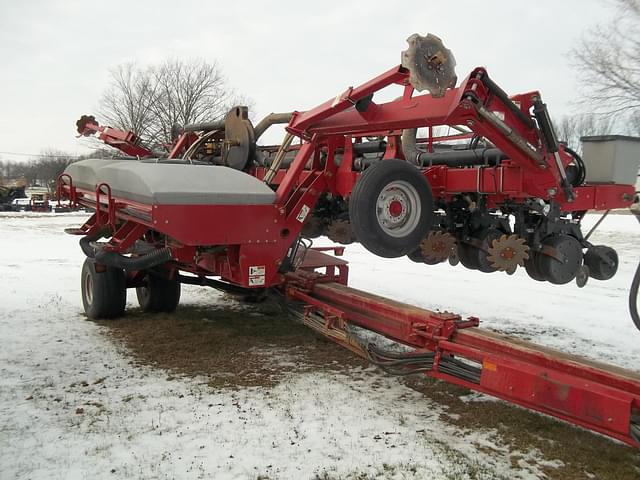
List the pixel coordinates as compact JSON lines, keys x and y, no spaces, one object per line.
{"x":593,"y":395}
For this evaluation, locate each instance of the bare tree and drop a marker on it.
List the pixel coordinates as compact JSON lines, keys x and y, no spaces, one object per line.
{"x":127,"y":102}
{"x":149,"y":101}
{"x":46,"y":169}
{"x":608,"y":59}
{"x":571,"y":127}
{"x":634,"y":124}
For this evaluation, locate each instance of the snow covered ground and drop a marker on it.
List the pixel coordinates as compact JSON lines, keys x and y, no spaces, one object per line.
{"x":74,"y":405}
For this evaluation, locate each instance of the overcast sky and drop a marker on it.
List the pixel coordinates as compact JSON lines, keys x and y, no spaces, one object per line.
{"x":56,"y":55}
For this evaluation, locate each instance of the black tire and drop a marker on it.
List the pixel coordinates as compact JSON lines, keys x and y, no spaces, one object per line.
{"x":467,"y":256}
{"x":159,"y":294}
{"x":381,"y":231}
{"x":104,"y":293}
{"x":417,"y":257}
{"x":602,"y":262}
{"x":486,"y":236}
{"x":475,"y":258}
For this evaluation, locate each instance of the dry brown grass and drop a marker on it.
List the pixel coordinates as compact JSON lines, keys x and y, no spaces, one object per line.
{"x":584,"y":454}
{"x":255,"y":345}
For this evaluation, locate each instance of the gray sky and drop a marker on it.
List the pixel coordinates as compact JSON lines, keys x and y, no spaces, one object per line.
{"x":284,"y":55}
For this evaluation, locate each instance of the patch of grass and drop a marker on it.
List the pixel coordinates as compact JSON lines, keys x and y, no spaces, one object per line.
{"x":255,"y":345}
{"x":258,"y":344}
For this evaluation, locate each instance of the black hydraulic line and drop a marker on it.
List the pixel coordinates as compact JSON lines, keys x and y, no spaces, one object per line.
{"x":395,"y":355}
{"x":544,"y":122}
{"x":456,"y":368}
{"x":402,"y":373}
{"x":396,"y":363}
{"x":633,"y":292}
{"x":463,"y":158}
{"x":402,"y":363}
{"x":502,"y":95}
{"x":143,"y":262}
{"x":453,"y":158}
{"x":85,"y":242}
{"x":377,"y":146}
{"x":543,"y":118}
{"x":217,"y":284}
{"x":271,"y":119}
{"x":582,"y":169}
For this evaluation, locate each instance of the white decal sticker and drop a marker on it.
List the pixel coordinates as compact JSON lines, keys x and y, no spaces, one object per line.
{"x":256,"y":281}
{"x":256,"y":270}
{"x":304,"y":211}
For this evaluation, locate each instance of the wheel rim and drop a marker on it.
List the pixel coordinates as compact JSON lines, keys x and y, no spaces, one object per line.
{"x":398,"y":208}
{"x":88,"y":289}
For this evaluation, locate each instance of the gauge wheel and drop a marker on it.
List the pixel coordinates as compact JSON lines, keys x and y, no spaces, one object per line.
{"x":531,"y":267}
{"x":562,"y":271}
{"x":602,"y":262}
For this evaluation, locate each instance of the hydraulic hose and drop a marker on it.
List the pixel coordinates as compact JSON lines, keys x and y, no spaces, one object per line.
{"x":402,"y":364}
{"x":454,"y":158}
{"x":143,"y":262}
{"x":85,"y":242}
{"x":633,"y":292}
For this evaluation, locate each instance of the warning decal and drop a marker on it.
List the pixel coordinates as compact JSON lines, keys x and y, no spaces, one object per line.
{"x":257,"y":275}
{"x":304,"y":211}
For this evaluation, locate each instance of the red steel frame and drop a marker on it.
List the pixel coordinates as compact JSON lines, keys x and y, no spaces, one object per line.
{"x":592,"y":395}
{"x":260,"y":235}
{"x":230,"y":240}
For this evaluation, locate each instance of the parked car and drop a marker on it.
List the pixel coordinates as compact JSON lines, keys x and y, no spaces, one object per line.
{"x":21,"y":205}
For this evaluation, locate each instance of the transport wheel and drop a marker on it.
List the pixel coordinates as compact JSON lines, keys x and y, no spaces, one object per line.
{"x":391,"y":208}
{"x":104,"y":293}
{"x":556,"y":271}
{"x":602,"y":262}
{"x":159,"y":294}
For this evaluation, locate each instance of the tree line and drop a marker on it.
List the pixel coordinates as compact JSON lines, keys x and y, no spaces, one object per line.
{"x":43,"y":171}
{"x":147,"y":101}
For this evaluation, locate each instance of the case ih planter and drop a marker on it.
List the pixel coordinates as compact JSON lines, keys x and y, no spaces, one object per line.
{"x":496,"y":192}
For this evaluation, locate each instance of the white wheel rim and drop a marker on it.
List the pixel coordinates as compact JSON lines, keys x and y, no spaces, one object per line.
{"x":398,"y":208}
{"x":88,"y":288}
